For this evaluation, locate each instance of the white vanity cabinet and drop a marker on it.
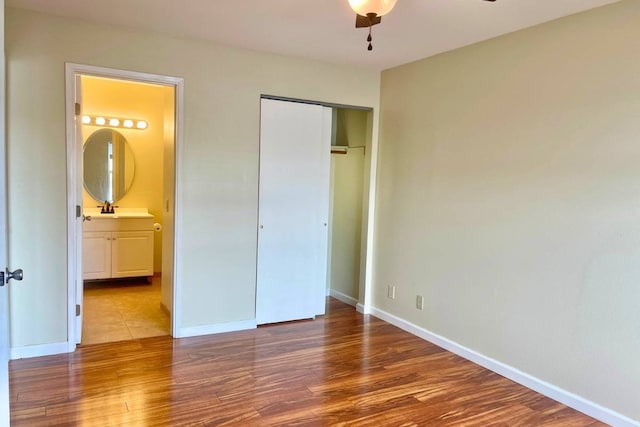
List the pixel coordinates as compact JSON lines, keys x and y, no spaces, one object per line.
{"x":115,"y":247}
{"x":96,"y":255}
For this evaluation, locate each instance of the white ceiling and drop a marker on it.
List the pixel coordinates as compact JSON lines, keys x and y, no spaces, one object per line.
{"x":322,"y":29}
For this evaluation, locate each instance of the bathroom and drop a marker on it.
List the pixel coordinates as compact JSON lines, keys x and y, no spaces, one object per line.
{"x":139,"y":118}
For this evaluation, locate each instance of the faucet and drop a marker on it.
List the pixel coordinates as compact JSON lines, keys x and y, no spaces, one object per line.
{"x":107,"y":208}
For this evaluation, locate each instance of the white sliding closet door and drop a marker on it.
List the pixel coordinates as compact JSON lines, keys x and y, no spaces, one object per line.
{"x":295,"y":141}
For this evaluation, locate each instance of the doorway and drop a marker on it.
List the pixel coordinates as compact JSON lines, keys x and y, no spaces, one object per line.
{"x":121,"y":233}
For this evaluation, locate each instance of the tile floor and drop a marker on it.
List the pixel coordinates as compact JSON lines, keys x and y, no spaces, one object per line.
{"x":122,"y":310}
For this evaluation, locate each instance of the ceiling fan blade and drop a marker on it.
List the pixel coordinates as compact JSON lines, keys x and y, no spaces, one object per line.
{"x":365,"y":21}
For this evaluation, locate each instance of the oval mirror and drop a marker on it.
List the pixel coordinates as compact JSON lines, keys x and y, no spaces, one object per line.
{"x":108,"y":165}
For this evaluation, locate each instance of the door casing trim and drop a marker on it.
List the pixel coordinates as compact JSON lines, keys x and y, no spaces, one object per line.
{"x":73,"y":181}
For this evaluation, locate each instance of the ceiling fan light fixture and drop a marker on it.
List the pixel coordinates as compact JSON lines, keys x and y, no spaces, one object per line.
{"x":377,"y":7}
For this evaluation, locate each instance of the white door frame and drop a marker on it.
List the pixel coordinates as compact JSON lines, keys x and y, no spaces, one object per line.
{"x":74,"y":182}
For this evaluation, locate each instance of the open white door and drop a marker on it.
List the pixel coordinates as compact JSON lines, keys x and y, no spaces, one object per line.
{"x":79,"y":217}
{"x":4,"y":273}
{"x":295,"y":140}
{"x":4,"y":293}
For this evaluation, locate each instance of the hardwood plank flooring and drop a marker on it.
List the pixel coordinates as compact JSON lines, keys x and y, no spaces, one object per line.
{"x":342,"y":369}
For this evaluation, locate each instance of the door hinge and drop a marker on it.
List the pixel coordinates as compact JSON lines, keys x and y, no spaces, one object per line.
{"x":78,"y":109}
{"x":78,"y":211}
{"x":77,"y":309}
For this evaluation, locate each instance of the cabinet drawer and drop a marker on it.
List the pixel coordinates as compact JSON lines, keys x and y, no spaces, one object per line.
{"x":118,"y":224}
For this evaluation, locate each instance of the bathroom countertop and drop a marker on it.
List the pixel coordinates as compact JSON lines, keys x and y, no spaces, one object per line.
{"x":94,"y":213}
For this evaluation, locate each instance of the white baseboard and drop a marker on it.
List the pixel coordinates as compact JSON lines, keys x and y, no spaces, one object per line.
{"x":343,"y":297}
{"x":196,"y":331}
{"x":364,"y":309}
{"x":28,"y":351}
{"x":565,"y":397}
{"x":63,"y":347}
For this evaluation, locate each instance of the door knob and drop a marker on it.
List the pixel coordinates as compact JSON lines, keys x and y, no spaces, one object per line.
{"x":16,"y":275}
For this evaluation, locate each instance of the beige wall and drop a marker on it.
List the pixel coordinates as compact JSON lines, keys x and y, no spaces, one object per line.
{"x":117,"y":98}
{"x":219,"y":158}
{"x":509,"y":197}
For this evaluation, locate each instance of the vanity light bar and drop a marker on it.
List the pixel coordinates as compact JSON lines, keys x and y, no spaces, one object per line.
{"x":114,"y":122}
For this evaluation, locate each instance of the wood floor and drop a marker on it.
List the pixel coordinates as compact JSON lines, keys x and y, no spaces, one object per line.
{"x":342,"y":369}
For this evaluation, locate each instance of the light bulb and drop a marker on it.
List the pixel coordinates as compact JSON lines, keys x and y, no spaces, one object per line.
{"x":86,"y":120}
{"x":100,"y":121}
{"x":141,"y":124}
{"x":127,"y":123}
{"x":114,"y":122}
{"x":379,"y":7}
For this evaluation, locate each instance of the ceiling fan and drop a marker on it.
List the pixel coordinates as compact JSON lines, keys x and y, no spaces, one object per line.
{"x":369,"y":13}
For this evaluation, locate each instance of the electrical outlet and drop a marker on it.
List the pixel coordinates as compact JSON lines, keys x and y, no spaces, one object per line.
{"x":391,"y":292}
{"x":419,"y":302}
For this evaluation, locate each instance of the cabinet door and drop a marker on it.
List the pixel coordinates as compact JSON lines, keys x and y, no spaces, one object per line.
{"x":131,"y":253}
{"x":96,"y":255}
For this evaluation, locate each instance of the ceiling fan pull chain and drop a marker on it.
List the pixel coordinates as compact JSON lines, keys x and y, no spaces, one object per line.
{"x":369,"y":38}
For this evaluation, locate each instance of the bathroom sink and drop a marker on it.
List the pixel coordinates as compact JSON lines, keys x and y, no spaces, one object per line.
{"x":94,"y":213}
